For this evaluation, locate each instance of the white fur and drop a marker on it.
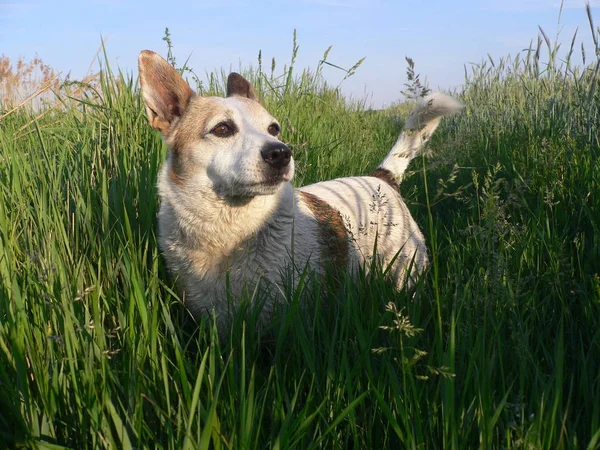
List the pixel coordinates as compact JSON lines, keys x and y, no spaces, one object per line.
{"x":418,"y":129}
{"x":222,"y":219}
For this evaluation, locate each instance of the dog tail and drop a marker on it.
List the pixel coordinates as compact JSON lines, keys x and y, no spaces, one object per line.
{"x":418,"y":128}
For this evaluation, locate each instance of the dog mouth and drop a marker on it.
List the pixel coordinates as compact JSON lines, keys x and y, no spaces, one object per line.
{"x":267,"y":184}
{"x":271,"y":181}
{"x":272,"y":177}
{"x":276,"y":178}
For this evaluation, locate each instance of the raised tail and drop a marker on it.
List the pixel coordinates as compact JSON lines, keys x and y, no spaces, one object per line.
{"x":418,"y":128}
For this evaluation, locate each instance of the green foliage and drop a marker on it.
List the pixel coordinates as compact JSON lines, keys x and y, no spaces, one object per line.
{"x":498,"y":346}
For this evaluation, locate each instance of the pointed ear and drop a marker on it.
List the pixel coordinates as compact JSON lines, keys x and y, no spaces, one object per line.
{"x":238,"y":86}
{"x":165,"y":93}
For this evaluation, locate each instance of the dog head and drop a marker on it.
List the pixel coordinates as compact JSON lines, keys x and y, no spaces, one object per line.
{"x":230,"y":145}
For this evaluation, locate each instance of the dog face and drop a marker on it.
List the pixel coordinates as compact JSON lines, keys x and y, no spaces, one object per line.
{"x":229,"y":145}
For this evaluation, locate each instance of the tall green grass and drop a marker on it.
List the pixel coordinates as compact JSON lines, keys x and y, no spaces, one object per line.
{"x":497,"y":347}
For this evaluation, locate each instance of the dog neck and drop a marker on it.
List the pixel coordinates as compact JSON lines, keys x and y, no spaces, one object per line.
{"x":217,"y":225}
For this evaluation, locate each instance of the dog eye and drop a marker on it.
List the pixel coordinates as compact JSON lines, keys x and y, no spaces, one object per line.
{"x":222,"y":130}
{"x":274,"y":129}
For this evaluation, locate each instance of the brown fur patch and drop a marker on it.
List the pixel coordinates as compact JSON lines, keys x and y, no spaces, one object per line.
{"x":386,"y":175}
{"x":175,"y":176}
{"x":193,"y":124}
{"x":238,"y":85}
{"x":333,"y":233}
{"x":188,"y":131}
{"x":166,"y":95}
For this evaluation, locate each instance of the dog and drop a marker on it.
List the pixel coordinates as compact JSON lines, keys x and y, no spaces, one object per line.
{"x":229,"y":215}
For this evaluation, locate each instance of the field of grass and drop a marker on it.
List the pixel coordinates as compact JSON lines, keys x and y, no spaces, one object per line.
{"x":498,"y":347}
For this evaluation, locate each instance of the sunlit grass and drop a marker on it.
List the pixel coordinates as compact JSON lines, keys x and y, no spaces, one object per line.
{"x":497,"y":347}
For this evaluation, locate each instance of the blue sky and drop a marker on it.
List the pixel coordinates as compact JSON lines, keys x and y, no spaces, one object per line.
{"x":440,"y":35}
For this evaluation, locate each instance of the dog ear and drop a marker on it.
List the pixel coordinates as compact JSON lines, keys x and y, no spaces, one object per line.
{"x":166,"y":95}
{"x":238,"y":86}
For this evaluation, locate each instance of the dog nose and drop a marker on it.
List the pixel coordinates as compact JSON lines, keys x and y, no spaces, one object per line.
{"x":276,"y":154}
